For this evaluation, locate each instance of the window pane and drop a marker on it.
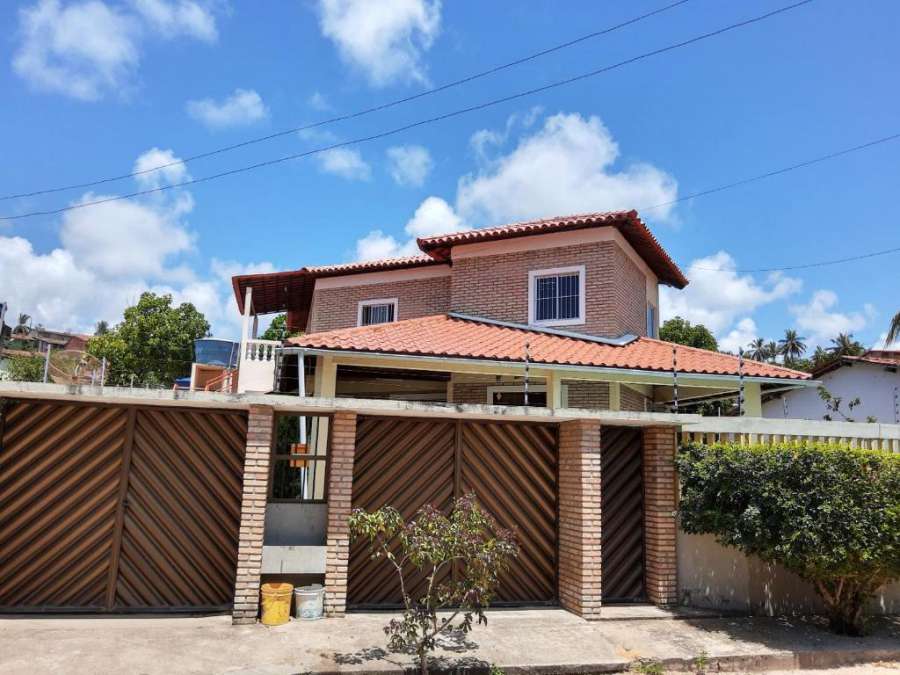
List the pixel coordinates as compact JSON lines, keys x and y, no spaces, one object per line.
{"x":372,"y":314}
{"x":545,"y":300}
{"x":302,"y":479}
{"x":568,"y":296}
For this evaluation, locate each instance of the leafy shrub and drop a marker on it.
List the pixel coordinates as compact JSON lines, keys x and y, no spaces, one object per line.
{"x":433,"y":543}
{"x":828,"y":513}
{"x":26,"y":368}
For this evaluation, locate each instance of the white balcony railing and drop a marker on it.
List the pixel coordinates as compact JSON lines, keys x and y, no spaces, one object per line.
{"x":257,"y":368}
{"x":749,"y":430}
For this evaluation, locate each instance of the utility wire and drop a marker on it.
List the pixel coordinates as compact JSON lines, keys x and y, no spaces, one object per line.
{"x":807,"y":266}
{"x":431,"y":120}
{"x":358,"y":113}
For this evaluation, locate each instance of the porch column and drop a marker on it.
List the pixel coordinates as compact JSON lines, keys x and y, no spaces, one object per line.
{"x":660,"y":503}
{"x":579,"y":517}
{"x":260,"y":427}
{"x":752,"y":399}
{"x":340,"y":496}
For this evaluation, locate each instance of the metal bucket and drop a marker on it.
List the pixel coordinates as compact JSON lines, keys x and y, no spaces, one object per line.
{"x":309,"y":602}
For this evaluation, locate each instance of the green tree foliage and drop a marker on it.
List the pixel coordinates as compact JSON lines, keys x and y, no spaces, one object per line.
{"x":828,"y":513}
{"x":26,"y":368}
{"x":681,"y":331}
{"x":432,"y":544}
{"x":893,"y":333}
{"x":845,"y":345}
{"x":277,"y":330}
{"x":791,"y":346}
{"x":153,"y":343}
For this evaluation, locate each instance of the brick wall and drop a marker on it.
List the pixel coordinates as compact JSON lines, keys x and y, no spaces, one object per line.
{"x":581,"y":394}
{"x":340,"y":493}
{"x":335,"y":308}
{"x":496,"y":286}
{"x":579,"y":518}
{"x":660,"y":502}
{"x":632,"y":400}
{"x":588,"y":395}
{"x":253,"y":513}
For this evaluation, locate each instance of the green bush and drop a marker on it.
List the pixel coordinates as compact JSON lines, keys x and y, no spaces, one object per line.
{"x":828,"y":513}
{"x":26,"y":368}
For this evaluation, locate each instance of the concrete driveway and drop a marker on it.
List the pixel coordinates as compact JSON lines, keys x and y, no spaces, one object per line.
{"x":536,"y":641}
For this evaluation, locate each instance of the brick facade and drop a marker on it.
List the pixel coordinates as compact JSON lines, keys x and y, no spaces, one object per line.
{"x":496,"y":286}
{"x":579,"y":518}
{"x":340,"y":493}
{"x":334,"y":308}
{"x":253,"y":513}
{"x":660,"y":502}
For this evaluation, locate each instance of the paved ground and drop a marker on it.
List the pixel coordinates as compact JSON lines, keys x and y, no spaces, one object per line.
{"x":534,"y":641}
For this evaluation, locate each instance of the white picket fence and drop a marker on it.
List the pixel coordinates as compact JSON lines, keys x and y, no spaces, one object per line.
{"x":750,"y":430}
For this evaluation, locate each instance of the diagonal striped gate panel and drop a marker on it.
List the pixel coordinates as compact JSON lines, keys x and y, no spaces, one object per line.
{"x":512,"y":468}
{"x":108,"y":507}
{"x":60,"y":472}
{"x":404,"y":463}
{"x":182,"y":511}
{"x":622,"y":527}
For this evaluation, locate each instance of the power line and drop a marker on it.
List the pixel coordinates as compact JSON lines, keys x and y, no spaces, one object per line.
{"x":356,"y":114}
{"x":407,"y":127}
{"x":787,"y":268}
{"x":776,"y":172}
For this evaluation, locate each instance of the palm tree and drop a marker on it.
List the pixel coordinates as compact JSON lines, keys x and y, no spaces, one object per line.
{"x":756,"y":350}
{"x":893,"y":333}
{"x":22,"y":325}
{"x":791,"y":345}
{"x":772,"y":351}
{"x":845,"y":345}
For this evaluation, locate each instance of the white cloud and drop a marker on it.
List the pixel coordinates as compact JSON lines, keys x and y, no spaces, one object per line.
{"x":241,"y":108}
{"x":818,"y":320}
{"x":82,"y":50}
{"x":377,"y":245}
{"x":344,"y":162}
{"x":434,"y":216}
{"x":318,"y":101}
{"x":89,"y":48}
{"x":384,"y":40}
{"x":717,"y":294}
{"x":179,"y":17}
{"x":740,"y":336}
{"x":110,"y":253}
{"x":565,"y":167}
{"x":409,"y":164}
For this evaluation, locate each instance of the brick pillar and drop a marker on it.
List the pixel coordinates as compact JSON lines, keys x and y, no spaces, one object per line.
{"x":660,"y":502}
{"x":579,"y":518}
{"x":253,"y":513}
{"x":340,"y":494}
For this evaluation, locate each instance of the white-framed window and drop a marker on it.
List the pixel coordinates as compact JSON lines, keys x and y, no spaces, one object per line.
{"x":651,"y":321}
{"x":514,"y":394}
{"x":556,"y":296}
{"x":371,"y":312}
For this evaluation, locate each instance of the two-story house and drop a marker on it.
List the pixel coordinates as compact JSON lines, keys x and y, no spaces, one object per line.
{"x":563,"y":311}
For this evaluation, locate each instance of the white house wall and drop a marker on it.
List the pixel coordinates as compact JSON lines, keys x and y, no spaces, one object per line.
{"x":874,"y":386}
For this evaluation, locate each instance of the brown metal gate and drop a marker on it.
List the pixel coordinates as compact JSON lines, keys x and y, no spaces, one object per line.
{"x":115,"y":508}
{"x":511,"y":467}
{"x":622,"y":503}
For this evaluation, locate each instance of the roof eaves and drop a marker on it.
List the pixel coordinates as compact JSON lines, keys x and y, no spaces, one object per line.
{"x":615,"y":342}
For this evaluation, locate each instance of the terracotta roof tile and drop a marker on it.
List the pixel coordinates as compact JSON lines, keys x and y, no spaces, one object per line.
{"x":627,"y":222}
{"x":450,"y":336}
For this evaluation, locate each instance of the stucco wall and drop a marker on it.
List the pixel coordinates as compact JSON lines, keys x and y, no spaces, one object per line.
{"x":713,"y":576}
{"x":872,"y":384}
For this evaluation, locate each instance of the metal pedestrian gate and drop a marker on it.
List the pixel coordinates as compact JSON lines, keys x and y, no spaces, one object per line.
{"x":510,"y":466}
{"x":118,"y":508}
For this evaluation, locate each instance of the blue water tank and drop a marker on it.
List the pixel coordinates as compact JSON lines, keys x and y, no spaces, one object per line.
{"x":216,"y":352}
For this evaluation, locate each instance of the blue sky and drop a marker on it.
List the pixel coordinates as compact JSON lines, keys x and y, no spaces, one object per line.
{"x":90,"y":89}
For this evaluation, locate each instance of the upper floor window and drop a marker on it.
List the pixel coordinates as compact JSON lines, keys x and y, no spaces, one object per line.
{"x":651,"y":321}
{"x":376,"y":311}
{"x":556,"y":296}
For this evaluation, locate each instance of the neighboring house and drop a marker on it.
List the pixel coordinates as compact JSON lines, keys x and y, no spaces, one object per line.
{"x":572,"y":301}
{"x":874,"y":378}
{"x":41,"y":339}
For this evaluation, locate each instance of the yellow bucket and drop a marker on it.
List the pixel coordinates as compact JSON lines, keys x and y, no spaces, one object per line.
{"x":276,"y":603}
